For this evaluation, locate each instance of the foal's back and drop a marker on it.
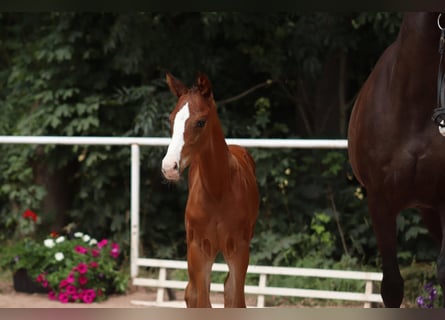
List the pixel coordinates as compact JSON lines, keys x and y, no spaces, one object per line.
{"x":243,"y":165}
{"x":243,"y":176}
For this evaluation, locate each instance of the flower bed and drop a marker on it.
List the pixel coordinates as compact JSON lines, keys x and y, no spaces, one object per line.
{"x":71,"y":268}
{"x":81,"y":269}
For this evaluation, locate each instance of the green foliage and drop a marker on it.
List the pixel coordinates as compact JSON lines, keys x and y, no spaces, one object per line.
{"x":418,"y":245}
{"x":18,"y":189}
{"x":33,"y":256}
{"x":345,"y":263}
{"x":315,"y":244}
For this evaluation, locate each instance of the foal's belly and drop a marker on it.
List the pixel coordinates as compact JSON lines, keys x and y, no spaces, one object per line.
{"x":216,"y":229}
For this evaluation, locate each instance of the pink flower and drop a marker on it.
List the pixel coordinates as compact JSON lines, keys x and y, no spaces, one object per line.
{"x":82,"y":268}
{"x":94,"y":264}
{"x":83,"y":280}
{"x":71,"y":289}
{"x":80,"y":249}
{"x":40,"y":277}
{"x":44,"y":283}
{"x":52,"y":295}
{"x":88,"y":295}
{"x":95,"y":252}
{"x":70,"y":278}
{"x":102,"y":243}
{"x":63,"y":297}
{"x":114,"y":250}
{"x":63,"y":283}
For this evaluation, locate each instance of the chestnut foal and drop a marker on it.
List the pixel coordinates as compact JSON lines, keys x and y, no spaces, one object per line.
{"x":223,"y":201}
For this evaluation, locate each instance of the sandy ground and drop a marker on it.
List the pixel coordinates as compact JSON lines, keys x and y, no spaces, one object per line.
{"x":9,"y":298}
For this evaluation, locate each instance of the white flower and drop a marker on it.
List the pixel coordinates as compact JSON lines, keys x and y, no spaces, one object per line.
{"x":59,"y":256}
{"x":92,"y":242}
{"x":78,"y":234}
{"x":60,"y":239}
{"x":49,"y":243}
{"x":86,"y":238}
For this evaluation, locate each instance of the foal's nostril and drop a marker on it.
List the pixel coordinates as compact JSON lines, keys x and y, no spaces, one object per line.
{"x":175,"y":167}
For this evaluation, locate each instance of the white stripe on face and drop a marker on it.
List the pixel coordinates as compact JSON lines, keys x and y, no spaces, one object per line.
{"x":173,"y":155}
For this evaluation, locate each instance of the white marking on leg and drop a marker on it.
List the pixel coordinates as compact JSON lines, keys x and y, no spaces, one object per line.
{"x":171,"y":161}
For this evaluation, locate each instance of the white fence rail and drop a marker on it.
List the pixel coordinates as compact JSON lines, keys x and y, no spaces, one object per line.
{"x":261,"y":289}
{"x":136,"y":261}
{"x":158,"y":141}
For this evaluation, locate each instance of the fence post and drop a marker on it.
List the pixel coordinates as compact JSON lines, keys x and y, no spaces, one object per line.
{"x":135,"y":184}
{"x":368,"y":291}
{"x":160,"y":292}
{"x":261,"y":284}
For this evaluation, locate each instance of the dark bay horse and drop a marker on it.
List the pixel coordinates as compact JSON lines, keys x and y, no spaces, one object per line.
{"x":223,"y":200}
{"x":395,"y":150}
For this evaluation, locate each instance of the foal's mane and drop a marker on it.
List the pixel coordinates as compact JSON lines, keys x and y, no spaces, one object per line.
{"x":194,"y":90}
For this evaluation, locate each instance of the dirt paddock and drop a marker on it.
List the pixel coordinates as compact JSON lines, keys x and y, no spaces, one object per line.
{"x":9,"y":298}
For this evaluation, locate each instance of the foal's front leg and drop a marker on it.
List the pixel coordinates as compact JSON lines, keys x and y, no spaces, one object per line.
{"x":199,"y":261}
{"x":236,"y":254}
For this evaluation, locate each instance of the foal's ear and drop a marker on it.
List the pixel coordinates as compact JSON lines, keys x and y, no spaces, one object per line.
{"x":204,"y":85}
{"x":175,"y":85}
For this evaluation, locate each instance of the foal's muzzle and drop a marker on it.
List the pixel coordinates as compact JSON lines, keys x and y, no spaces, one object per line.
{"x":170,"y":170}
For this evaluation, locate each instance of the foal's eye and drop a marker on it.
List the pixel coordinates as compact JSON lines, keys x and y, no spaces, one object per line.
{"x":200,"y":123}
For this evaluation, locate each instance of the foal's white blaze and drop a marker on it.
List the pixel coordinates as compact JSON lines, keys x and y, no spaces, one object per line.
{"x":171,"y":161}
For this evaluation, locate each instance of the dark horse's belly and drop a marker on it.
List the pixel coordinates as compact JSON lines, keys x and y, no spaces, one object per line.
{"x":401,"y":159}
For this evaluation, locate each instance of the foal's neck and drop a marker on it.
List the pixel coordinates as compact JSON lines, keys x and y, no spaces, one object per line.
{"x":213,"y":160}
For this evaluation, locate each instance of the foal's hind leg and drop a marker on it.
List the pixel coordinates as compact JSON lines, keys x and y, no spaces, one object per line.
{"x":236,"y":255}
{"x":385,"y":230}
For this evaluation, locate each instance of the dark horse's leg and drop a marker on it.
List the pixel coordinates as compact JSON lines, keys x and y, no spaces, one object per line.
{"x":385,"y":230}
